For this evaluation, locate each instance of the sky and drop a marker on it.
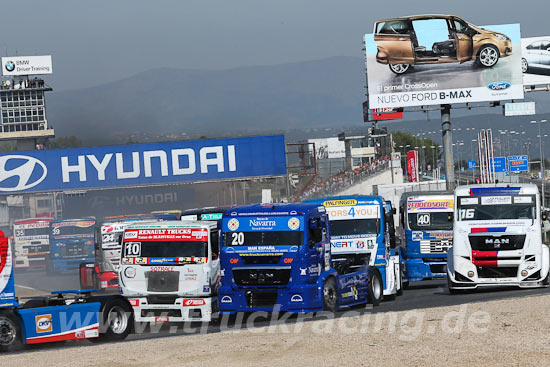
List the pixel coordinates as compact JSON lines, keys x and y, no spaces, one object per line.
{"x":97,"y":42}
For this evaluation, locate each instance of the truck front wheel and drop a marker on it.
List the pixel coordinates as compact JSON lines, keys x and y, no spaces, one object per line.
{"x":375,"y":288}
{"x":10,"y":331}
{"x":330,"y":295}
{"x":118,"y":319}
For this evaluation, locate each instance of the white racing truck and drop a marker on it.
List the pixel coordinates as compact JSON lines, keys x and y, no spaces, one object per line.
{"x":497,"y":238}
{"x":170,"y":271}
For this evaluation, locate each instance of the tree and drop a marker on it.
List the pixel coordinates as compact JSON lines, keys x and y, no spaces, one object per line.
{"x":65,"y":142}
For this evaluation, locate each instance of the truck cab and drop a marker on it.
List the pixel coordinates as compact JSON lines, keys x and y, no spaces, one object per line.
{"x":31,"y":239}
{"x":72,"y":242}
{"x":426,"y":222}
{"x":278,"y":257}
{"x":169,"y":270}
{"x":497,"y":238}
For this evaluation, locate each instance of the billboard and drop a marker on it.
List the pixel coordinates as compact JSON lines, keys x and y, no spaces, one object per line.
{"x":329,"y":148}
{"x":26,"y":65}
{"x":142,"y":164}
{"x":439,"y":59}
{"x":535,"y":60}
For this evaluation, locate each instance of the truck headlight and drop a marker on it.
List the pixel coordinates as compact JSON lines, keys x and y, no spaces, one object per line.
{"x":130,"y":272}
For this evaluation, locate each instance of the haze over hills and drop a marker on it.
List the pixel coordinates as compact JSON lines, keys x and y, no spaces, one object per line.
{"x":304,"y":99}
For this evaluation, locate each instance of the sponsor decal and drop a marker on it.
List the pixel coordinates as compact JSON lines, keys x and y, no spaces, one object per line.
{"x":206,"y":289}
{"x":193,"y":302}
{"x":134,"y":302}
{"x":43,"y":323}
{"x":91,"y":333}
{"x":288,"y":260}
{"x":430,"y":204}
{"x":162,"y":319}
{"x":303,"y":271}
{"x":343,"y":202}
{"x":293,"y":249}
{"x":233,"y":224}
{"x":79,"y":334}
{"x":380,"y":257}
{"x":296,"y":298}
{"x":226,"y":299}
{"x":130,"y":235}
{"x":141,"y":260}
{"x":190,"y":278}
{"x":417,"y":235}
{"x":162,"y":268}
{"x":233,"y":261}
{"x":294,"y":223}
{"x":499,"y":85}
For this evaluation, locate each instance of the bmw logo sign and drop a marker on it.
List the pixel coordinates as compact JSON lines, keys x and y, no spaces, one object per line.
{"x":10,"y":66}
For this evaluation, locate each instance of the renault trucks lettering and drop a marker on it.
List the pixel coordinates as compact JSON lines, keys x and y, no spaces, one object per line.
{"x":426,"y":220}
{"x":169,"y":270}
{"x":497,"y":238}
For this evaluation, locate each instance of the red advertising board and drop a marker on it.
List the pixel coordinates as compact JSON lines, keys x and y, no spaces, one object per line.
{"x":387,"y":113}
{"x":412,"y":165}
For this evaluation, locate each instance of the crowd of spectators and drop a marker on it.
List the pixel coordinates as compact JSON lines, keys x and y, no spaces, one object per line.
{"x":325,"y":186}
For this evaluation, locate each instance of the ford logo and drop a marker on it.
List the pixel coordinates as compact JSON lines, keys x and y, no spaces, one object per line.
{"x":25,"y":172}
{"x":499,"y":85}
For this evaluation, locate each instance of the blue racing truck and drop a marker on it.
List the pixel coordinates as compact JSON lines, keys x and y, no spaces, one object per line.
{"x":57,"y":317}
{"x":278,"y":257}
{"x":426,"y":222}
{"x":362,"y":232}
{"x":71,"y":243}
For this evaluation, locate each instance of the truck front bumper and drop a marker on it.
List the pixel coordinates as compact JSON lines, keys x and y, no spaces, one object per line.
{"x":183,"y":309}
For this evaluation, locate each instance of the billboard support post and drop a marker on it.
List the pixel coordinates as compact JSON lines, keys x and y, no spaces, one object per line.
{"x":448,"y":146}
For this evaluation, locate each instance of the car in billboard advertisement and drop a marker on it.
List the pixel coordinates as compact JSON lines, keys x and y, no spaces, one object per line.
{"x":441,"y":59}
{"x":535,"y":60}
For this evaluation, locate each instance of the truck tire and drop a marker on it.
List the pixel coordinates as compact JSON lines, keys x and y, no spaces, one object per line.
{"x":117,"y":320}
{"x":375,"y":288}
{"x":10,"y":331}
{"x":330,"y":295}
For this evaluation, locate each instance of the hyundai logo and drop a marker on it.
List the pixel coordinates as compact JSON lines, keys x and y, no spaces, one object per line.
{"x":499,"y":85}
{"x":24,"y":172}
{"x":10,"y":66}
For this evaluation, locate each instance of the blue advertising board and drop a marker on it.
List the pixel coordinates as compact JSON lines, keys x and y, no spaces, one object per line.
{"x":142,"y":164}
{"x":518,"y":163}
{"x":500,"y":164}
{"x":472,"y":164}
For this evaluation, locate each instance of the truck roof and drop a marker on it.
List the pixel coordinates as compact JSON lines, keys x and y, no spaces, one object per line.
{"x":32,"y":220}
{"x":72,"y":220}
{"x":278,"y":209}
{"x":497,"y":189}
{"x":174,"y":224}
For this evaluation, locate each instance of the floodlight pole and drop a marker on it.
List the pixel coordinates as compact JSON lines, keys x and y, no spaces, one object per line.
{"x":448,"y":146}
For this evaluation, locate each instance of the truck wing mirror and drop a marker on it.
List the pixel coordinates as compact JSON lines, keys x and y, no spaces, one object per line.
{"x":313,"y":224}
{"x":450,"y":217}
{"x":545,"y":215}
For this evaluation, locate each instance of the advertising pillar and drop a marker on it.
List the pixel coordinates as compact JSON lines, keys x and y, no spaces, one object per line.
{"x":412,"y":165}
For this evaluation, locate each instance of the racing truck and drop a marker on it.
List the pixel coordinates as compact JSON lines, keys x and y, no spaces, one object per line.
{"x":31,"y":242}
{"x":362,"y":232}
{"x":170,"y":271}
{"x":278,"y":257}
{"x":426,"y":222}
{"x":497,"y":238}
{"x":102,"y":274}
{"x":64,"y":315}
{"x":71,"y":243}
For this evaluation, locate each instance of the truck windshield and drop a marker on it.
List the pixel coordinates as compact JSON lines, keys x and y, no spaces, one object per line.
{"x":260,"y":238}
{"x":32,"y":232}
{"x":505,"y":207}
{"x":166,"y":249}
{"x":430,"y":221}
{"x":353,"y":227}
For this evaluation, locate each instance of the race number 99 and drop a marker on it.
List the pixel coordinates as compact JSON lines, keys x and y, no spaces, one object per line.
{"x":423,"y":219}
{"x":132,"y":249}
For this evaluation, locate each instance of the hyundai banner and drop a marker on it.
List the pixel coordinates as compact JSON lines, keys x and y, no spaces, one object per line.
{"x":441,"y":59}
{"x":143,"y":164}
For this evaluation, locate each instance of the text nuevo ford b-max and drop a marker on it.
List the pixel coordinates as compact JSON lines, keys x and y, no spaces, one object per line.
{"x":434,"y":39}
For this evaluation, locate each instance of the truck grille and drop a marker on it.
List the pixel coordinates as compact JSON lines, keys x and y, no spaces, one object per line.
{"x":74,"y":250}
{"x":37,"y":248}
{"x":497,"y":243}
{"x":162,"y":281}
{"x":261,"y":299}
{"x":435,"y":246}
{"x":264,"y":276}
